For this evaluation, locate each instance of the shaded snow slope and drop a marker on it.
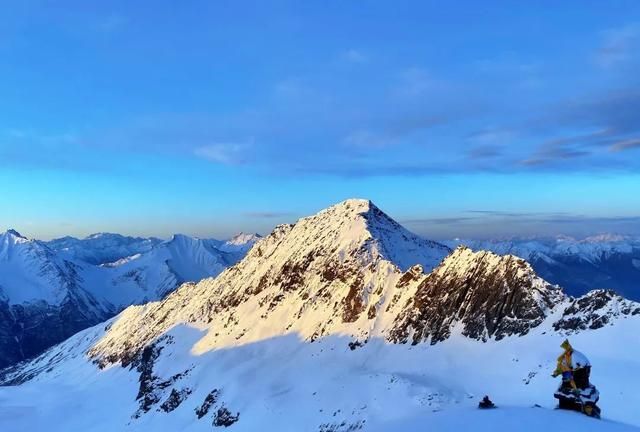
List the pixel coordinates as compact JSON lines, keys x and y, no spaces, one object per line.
{"x":42,"y":299}
{"x":293,"y":385}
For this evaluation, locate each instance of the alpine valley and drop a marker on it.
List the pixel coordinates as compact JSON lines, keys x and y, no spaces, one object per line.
{"x":343,"y":321}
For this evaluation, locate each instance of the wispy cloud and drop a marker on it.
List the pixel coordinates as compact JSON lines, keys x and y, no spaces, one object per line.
{"x":415,"y":81}
{"x":224,"y":153}
{"x":484,"y":152}
{"x":628,"y":144}
{"x":554,"y":155}
{"x":438,"y":220}
{"x":354,"y":56}
{"x":404,"y":119}
{"x":619,"y":46}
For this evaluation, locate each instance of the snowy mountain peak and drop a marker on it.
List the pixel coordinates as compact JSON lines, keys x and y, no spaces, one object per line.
{"x":102,"y":235}
{"x":350,"y":206}
{"x":183,"y":239}
{"x":12,"y":236}
{"x":14,"y":233}
{"x":243,"y":238}
{"x":333,"y":272}
{"x":360,"y":227}
{"x":9,"y":241}
{"x":607,"y":237}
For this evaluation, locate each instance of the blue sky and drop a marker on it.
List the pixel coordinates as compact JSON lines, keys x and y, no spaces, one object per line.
{"x":463,"y":118}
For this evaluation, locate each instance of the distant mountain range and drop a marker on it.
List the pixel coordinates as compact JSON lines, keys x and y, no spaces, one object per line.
{"x":68,"y":284}
{"x":578,"y":266}
{"x":343,"y":321}
{"x":50,"y":290}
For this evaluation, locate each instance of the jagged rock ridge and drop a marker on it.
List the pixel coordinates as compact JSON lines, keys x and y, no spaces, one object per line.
{"x":487,"y":295}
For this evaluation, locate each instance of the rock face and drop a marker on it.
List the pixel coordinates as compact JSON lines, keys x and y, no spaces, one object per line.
{"x":485,"y":294}
{"x":595,"y":310}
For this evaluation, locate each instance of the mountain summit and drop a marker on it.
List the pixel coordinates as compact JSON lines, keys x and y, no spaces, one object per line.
{"x":357,"y":226}
{"x":347,"y":270}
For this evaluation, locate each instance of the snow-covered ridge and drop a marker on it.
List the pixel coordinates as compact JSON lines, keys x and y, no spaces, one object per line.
{"x":241,"y":240}
{"x":102,"y":248}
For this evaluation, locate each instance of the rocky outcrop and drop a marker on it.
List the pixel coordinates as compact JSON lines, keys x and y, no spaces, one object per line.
{"x":224,"y":418}
{"x":209,"y":401}
{"x":153,"y":388}
{"x":604,"y":261}
{"x":176,"y":397}
{"x":595,"y":310}
{"x":486,"y":295}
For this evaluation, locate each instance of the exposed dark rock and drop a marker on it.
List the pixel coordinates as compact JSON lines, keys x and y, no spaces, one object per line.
{"x":411,"y":275}
{"x":354,"y":304}
{"x":28,"y":330}
{"x":594,"y":310}
{"x":224,"y":418}
{"x":342,"y":426}
{"x":152,"y":388}
{"x":355,"y":344}
{"x":175,"y":399}
{"x":371,"y":313}
{"x":209,"y":401}
{"x":147,"y":397}
{"x":490,"y":296}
